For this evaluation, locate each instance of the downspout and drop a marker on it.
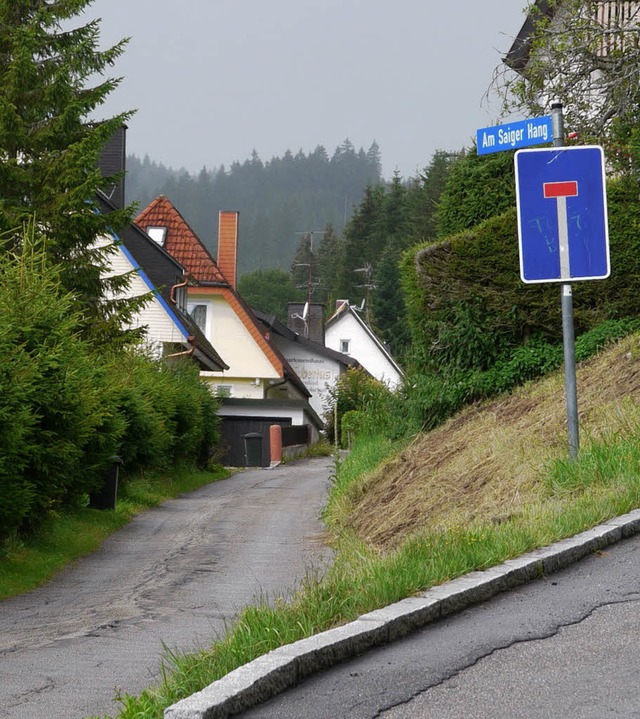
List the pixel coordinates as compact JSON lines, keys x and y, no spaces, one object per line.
{"x":275,"y":386}
{"x":187,"y":353}
{"x":172,"y":293}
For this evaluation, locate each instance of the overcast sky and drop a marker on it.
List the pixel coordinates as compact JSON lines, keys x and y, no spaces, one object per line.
{"x":214,"y":79}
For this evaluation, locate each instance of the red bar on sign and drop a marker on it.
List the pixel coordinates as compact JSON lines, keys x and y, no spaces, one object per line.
{"x":560,"y":189}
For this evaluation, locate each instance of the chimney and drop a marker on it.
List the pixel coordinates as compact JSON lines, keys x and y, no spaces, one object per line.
{"x":113,"y":161}
{"x":307,"y":319}
{"x":228,"y":245}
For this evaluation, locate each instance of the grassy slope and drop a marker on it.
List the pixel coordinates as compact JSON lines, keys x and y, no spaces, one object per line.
{"x":493,"y":461}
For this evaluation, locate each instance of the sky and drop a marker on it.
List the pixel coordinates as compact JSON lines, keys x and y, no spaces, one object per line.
{"x":212,"y":80}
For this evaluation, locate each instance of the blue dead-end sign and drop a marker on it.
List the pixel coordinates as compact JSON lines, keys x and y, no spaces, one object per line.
{"x":562,"y":214}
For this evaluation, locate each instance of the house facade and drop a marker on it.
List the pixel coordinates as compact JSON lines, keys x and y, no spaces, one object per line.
{"x":318,"y":366}
{"x":257,"y":374}
{"x":346,"y":332}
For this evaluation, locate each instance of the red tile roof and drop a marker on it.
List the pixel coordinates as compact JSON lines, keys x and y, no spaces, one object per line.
{"x":181,"y":241}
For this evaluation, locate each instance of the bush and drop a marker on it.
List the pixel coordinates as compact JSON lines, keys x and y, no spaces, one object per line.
{"x":65,"y":410}
{"x":58,"y":421}
{"x":170,"y":415}
{"x":466,"y":304}
{"x":356,"y":390}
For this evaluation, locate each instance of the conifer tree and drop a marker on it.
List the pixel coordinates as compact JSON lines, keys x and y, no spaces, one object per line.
{"x":51,"y":142}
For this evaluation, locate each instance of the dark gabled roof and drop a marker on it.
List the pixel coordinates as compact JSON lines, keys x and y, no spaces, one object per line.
{"x":518,"y":56}
{"x":275,"y":325}
{"x":163,"y":272}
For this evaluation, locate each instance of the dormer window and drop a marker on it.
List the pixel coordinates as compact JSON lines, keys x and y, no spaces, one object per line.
{"x":157,"y":234}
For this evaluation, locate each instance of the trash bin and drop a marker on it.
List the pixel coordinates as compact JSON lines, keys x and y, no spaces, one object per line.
{"x":106,"y":495}
{"x":253,"y":449}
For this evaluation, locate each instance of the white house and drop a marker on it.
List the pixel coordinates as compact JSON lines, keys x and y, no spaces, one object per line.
{"x":348,"y":333}
{"x":318,"y":366}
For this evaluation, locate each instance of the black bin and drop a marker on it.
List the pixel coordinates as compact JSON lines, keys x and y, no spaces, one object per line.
{"x":106,"y":495}
{"x":253,"y":449}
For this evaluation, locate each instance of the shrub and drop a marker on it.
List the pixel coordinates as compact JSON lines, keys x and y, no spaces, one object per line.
{"x":58,"y":421}
{"x":357,"y":390}
{"x":65,"y":410}
{"x":170,"y":415}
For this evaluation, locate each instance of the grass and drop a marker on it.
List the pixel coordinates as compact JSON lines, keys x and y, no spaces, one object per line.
{"x":491,"y":484}
{"x":67,"y":536}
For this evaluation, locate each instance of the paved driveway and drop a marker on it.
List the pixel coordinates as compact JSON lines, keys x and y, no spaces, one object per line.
{"x":175,"y":575}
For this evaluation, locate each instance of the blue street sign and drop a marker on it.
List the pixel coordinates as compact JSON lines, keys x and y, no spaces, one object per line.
{"x":525,"y":133}
{"x":562,"y":214}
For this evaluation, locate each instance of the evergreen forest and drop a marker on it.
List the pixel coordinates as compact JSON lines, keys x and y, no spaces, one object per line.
{"x":279,"y":200}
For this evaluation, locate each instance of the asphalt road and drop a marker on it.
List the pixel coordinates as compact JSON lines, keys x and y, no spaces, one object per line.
{"x":173,"y":577}
{"x":565,"y":646}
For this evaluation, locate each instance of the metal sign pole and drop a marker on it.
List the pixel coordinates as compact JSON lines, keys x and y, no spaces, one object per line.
{"x":568,"y":335}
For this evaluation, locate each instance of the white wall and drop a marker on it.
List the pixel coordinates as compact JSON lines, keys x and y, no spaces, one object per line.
{"x":362,"y":348}
{"x":161,"y":326}
{"x":318,"y":373}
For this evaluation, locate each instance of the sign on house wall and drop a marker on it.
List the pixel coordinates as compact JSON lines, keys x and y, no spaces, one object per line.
{"x":318,"y":375}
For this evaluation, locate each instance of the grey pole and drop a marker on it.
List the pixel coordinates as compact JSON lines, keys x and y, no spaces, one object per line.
{"x":568,"y":335}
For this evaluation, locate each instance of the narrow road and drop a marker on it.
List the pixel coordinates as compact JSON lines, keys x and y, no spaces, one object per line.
{"x":565,"y":645}
{"x":172,"y":577}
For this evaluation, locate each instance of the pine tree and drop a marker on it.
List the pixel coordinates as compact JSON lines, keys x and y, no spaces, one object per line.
{"x":50,"y":145}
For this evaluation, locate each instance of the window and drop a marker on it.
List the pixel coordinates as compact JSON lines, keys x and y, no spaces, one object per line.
{"x":157,"y":234}
{"x":344,"y":346}
{"x":199,"y":315}
{"x":223,"y":390}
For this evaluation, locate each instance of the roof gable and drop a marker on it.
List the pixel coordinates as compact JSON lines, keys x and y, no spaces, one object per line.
{"x":347,"y":312}
{"x":180,"y":240}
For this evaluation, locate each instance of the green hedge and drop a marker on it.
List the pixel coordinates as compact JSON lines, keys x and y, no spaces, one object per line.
{"x":66,"y":410}
{"x":466,"y":304}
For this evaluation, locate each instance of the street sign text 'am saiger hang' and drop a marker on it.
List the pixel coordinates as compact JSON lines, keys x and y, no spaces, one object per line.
{"x":562,"y":214}
{"x":535,"y":131}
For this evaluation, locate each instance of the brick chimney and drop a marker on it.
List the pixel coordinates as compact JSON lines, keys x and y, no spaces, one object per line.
{"x":310,"y":325}
{"x":228,"y":245}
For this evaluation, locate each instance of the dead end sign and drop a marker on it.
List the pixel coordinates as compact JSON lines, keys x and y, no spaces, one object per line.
{"x":562,"y":214}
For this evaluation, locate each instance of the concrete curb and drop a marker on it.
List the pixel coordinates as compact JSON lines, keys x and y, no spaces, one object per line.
{"x":283,"y":668}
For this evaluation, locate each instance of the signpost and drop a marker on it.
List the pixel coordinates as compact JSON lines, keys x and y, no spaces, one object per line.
{"x":562,"y":220}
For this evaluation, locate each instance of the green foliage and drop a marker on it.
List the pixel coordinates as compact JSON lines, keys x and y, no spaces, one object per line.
{"x":478,"y":187}
{"x":429,"y":398}
{"x":170,"y":414}
{"x":467,"y":306}
{"x":269,"y":291}
{"x":356,"y":390}
{"x":50,"y":145}
{"x":58,"y":421}
{"x":66,"y":411}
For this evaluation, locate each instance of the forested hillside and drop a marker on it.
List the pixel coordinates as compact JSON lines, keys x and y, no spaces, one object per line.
{"x":278,"y":200}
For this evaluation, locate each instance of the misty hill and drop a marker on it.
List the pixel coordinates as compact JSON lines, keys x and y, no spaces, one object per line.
{"x":278,"y":200}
